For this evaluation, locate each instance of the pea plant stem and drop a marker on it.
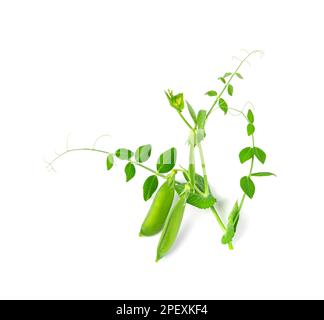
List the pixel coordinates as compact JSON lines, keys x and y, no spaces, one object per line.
{"x":221,"y":224}
{"x":228,"y":82}
{"x":252,"y":160}
{"x":149,"y":169}
{"x":203,"y":166}
{"x":185,"y":121}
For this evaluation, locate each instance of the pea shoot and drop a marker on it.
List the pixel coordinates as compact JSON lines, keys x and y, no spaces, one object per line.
{"x":165,"y":213}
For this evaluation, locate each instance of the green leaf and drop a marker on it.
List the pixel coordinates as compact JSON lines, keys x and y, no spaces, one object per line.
{"x":222,"y":79}
{"x":143,"y":153}
{"x":211,"y":93}
{"x":246,"y":154}
{"x":227,"y":74}
{"x":150,"y":186}
{"x":247,"y":186}
{"x":123,"y":154}
{"x":167,"y":161}
{"x":196,"y":199}
{"x":192,"y":112}
{"x":239,"y":75}
{"x":223,"y":105}
{"x":250,"y":129}
{"x":110,"y":161}
{"x":129,"y":171}
{"x":232,"y":224}
{"x":260,"y":154}
{"x":263,"y":174}
{"x":201,"y":119}
{"x":230,"y":89}
{"x":250,"y":116}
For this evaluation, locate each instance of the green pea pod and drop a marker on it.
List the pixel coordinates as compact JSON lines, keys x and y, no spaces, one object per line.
{"x":159,"y":210}
{"x":171,"y":227}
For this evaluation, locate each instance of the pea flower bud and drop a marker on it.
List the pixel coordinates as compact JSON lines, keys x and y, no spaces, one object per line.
{"x":176,"y":101}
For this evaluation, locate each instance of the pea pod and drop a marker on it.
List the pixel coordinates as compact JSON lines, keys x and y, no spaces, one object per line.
{"x":159,"y":210}
{"x":171,"y":227}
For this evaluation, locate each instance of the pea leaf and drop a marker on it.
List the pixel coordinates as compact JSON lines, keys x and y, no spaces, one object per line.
{"x":201,"y":119}
{"x":246,"y":154}
{"x":260,"y":154}
{"x":192,"y":112}
{"x":250,"y":129}
{"x":239,"y":75}
{"x":167,"y":161}
{"x":227,"y":74}
{"x":232,"y":224}
{"x":123,"y":154}
{"x":143,"y":153}
{"x":230,"y":89}
{"x":223,"y":105}
{"x":150,"y":186}
{"x":196,"y":199}
{"x":129,"y":171}
{"x":263,"y":174}
{"x":250,"y":116}
{"x":211,"y":93}
{"x":110,"y":161}
{"x":222,"y":79}
{"x":247,"y":186}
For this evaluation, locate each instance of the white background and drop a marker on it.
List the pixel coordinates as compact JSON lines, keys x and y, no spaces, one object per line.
{"x":87,"y":68}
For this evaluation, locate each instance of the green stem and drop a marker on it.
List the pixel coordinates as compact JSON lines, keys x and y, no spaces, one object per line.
{"x":218,"y":218}
{"x":192,"y":166}
{"x":228,"y":82}
{"x":203,"y":166}
{"x":221,"y":224}
{"x":149,"y":169}
{"x":185,"y":121}
{"x":196,"y":188}
{"x":249,"y":175}
{"x":106,"y":152}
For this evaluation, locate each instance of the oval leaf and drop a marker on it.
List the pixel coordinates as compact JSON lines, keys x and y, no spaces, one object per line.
{"x":227,"y":74}
{"x":263,"y":174}
{"x":230,"y":89}
{"x":246,"y":154}
{"x":250,"y":116}
{"x":150,"y":186}
{"x":247,"y":186}
{"x":222,"y":79}
{"x":211,"y":93}
{"x":143,"y":153}
{"x":167,"y":161}
{"x":223,"y":105}
{"x":123,"y":154}
{"x":239,"y":75}
{"x":129,"y":171}
{"x":260,"y":154}
{"x":250,"y":129}
{"x":110,"y":161}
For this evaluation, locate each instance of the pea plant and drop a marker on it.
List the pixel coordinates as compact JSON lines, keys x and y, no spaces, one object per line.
{"x":165,"y":215}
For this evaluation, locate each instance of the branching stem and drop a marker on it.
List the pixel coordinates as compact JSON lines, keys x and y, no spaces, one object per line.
{"x":229,"y":81}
